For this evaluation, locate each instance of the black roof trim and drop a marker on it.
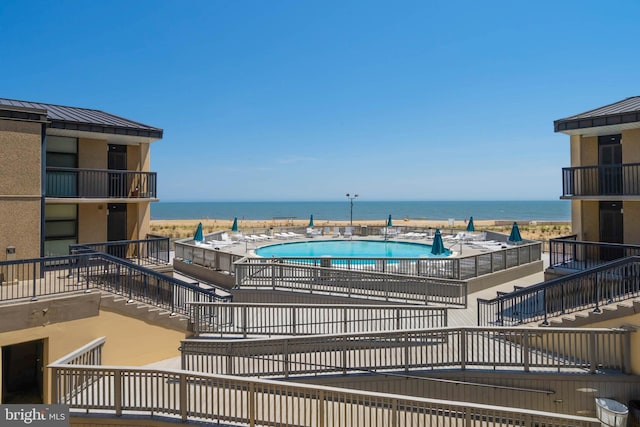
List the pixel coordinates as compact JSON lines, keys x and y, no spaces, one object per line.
{"x":24,"y":114}
{"x":83,"y":119}
{"x":621,"y":112}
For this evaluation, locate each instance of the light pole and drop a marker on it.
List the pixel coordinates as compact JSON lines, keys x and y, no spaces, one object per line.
{"x":350,"y":197}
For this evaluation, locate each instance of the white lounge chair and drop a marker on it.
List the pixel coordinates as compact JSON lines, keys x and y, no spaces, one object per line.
{"x":336,"y":231}
{"x":264,"y":237}
{"x":311,"y":232}
{"x":293,"y":235}
{"x":348,"y":232}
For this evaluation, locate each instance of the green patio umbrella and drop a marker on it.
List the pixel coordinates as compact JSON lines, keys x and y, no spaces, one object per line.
{"x":515,"y":237}
{"x":199,"y":237}
{"x":389,"y":222}
{"x":437,"y":248}
{"x":311,"y":221}
{"x":470,"y":226}
{"x":234,"y":227}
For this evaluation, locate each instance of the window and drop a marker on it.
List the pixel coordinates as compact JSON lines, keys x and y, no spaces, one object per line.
{"x":60,"y":228}
{"x":62,"y":151}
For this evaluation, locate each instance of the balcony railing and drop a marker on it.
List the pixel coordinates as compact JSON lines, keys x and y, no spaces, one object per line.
{"x":569,"y":253}
{"x":601,"y":180}
{"x":99,"y":183}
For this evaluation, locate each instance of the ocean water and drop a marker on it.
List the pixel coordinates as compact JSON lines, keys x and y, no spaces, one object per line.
{"x":540,"y":210}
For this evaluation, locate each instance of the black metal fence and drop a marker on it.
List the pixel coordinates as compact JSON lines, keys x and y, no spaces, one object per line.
{"x":100,"y":183}
{"x":150,"y":251}
{"x":39,"y":277}
{"x":615,"y":281}
{"x":567,"y":252}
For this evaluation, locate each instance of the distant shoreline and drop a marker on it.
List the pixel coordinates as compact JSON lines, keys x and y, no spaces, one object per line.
{"x":532,"y":229}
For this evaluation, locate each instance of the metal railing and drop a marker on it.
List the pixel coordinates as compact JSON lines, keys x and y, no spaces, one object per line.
{"x":567,"y":252}
{"x":150,"y":251}
{"x":39,"y":277}
{"x":455,"y":268}
{"x":526,"y":349}
{"x":306,"y":319}
{"x":100,"y":183}
{"x":276,"y":273}
{"x":616,"y":281}
{"x":601,"y":180}
{"x":209,"y":398}
{"x":206,"y":256}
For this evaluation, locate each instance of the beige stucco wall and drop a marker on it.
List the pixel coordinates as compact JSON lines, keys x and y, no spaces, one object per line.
{"x":20,"y":188}
{"x":626,"y":321}
{"x":20,"y":158}
{"x":631,"y":146}
{"x":138,"y":217}
{"x":92,"y":153}
{"x":590,"y":220}
{"x":585,"y":219}
{"x":631,"y":225}
{"x":20,"y":227}
{"x":588,"y":152}
{"x":129,"y":342}
{"x":92,"y":222}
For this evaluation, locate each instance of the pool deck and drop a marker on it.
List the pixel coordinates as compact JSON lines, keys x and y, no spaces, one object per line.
{"x":459,"y":247}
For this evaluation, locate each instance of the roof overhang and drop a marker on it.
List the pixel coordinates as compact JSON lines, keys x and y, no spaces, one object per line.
{"x":599,"y":130}
{"x":609,"y":119}
{"x":124,"y":138}
{"x":23,"y":114}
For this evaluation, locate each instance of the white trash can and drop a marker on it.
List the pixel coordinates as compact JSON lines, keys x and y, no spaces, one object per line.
{"x":611,"y":413}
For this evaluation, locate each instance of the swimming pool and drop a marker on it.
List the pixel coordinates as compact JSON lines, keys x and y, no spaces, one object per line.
{"x":349,"y":249}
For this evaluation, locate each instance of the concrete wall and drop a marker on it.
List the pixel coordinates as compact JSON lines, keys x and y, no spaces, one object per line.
{"x":92,"y":222}
{"x":631,"y":224}
{"x":631,"y":146}
{"x":92,"y":153}
{"x":632,"y":320}
{"x":590,"y":221}
{"x":572,"y":393}
{"x":20,"y":188}
{"x":130,"y":341}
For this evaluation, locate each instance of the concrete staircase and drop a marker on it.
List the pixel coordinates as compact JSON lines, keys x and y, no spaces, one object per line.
{"x":589,"y":317}
{"x":145,"y":312}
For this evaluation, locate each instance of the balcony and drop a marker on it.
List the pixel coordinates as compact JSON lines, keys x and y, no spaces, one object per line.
{"x":601,"y":182}
{"x":100,"y":183}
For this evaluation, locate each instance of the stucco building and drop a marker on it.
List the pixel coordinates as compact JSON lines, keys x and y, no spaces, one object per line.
{"x":71,"y":175}
{"x":603,"y":181}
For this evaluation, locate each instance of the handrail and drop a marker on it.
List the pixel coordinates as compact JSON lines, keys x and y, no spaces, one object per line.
{"x":88,"y":354}
{"x":38,"y":277}
{"x":150,"y":251}
{"x":303,"y":319}
{"x":262,"y":273}
{"x":415,"y":349}
{"x":614,"y":281}
{"x":209,"y":398}
{"x":567,"y":252}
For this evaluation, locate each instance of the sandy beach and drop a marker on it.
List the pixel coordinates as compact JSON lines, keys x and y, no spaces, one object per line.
{"x":535,"y":230}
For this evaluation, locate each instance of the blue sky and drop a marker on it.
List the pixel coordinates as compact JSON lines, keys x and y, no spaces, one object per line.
{"x":308,"y":100}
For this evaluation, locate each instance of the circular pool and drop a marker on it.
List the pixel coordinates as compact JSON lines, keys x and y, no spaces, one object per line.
{"x":349,"y":249}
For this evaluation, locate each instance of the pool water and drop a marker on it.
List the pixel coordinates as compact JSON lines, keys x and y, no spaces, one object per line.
{"x":349,"y":249}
